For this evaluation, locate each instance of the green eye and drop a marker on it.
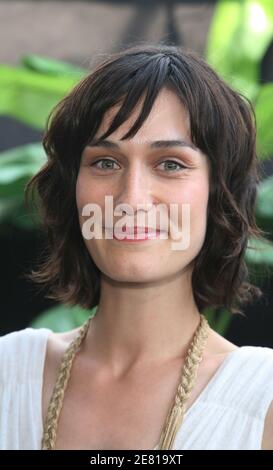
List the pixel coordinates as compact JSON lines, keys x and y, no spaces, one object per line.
{"x":106,"y":164}
{"x":171,"y":165}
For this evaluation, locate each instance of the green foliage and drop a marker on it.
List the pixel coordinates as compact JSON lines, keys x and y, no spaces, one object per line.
{"x":218,"y":319}
{"x":240,"y":33}
{"x":63,"y":318}
{"x":259,"y":256}
{"x":49,"y":66}
{"x":264,"y":116}
{"x":17,"y":166}
{"x":29,"y":96}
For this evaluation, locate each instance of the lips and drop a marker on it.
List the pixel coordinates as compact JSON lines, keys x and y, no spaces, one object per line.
{"x":137,"y":230}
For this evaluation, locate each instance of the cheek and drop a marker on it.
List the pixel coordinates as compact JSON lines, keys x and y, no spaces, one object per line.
{"x":195,"y":193}
{"x":198,"y":199}
{"x":88,"y":192}
{"x":80,"y":191}
{"x":198,"y":215}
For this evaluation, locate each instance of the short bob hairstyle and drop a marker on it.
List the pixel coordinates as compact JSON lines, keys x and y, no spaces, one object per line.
{"x":222,"y":125}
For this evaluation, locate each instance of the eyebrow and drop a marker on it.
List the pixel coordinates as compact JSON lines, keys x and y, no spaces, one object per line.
{"x":157,"y":144}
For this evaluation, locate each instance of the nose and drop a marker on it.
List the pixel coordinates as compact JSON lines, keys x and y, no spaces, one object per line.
{"x":136,"y":189}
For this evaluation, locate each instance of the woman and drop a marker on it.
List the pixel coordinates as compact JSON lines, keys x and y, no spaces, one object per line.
{"x":148,"y":371}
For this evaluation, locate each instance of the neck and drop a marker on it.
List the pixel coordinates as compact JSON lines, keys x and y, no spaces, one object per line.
{"x":138,"y":324}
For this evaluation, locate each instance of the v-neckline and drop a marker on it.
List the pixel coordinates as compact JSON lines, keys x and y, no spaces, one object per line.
{"x":208,"y":386}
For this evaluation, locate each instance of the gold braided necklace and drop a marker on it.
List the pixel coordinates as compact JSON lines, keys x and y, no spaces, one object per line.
{"x":177,"y":410}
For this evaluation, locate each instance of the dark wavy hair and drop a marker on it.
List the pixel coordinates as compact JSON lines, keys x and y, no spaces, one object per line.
{"x":223,"y":126}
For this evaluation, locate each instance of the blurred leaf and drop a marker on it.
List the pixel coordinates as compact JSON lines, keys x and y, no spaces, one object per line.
{"x":29,"y":96}
{"x":240,"y":33}
{"x":8,"y":206}
{"x":218,"y":320}
{"x":63,"y":318}
{"x":17,"y":166}
{"x":264,"y":116}
{"x":15,"y":214}
{"x":259,"y":255}
{"x":264,"y":205}
{"x":49,"y":66}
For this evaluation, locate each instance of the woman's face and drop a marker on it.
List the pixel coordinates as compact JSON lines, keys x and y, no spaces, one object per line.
{"x":138,"y":175}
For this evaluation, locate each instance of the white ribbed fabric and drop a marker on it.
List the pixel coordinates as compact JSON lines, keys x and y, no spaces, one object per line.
{"x":22,"y":355}
{"x":228,"y":414}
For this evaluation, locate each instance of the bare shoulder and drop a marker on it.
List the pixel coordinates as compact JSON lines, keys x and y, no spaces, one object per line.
{"x":57,"y":344}
{"x":217,"y":344}
{"x":267,"y":442}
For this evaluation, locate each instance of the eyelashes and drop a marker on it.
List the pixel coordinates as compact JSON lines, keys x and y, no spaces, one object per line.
{"x":181,"y":167}
{"x":111,"y":161}
{"x":103,"y":160}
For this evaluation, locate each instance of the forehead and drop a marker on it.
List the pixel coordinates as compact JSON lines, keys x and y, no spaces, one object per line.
{"x":168,"y":119}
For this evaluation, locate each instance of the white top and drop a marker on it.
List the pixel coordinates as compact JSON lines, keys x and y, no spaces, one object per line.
{"x":228,"y":414}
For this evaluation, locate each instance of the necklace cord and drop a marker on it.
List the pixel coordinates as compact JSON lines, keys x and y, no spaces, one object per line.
{"x":176,"y":413}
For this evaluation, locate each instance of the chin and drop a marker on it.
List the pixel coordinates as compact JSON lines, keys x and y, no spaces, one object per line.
{"x":135,"y":279}
{"x":134,"y":272}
